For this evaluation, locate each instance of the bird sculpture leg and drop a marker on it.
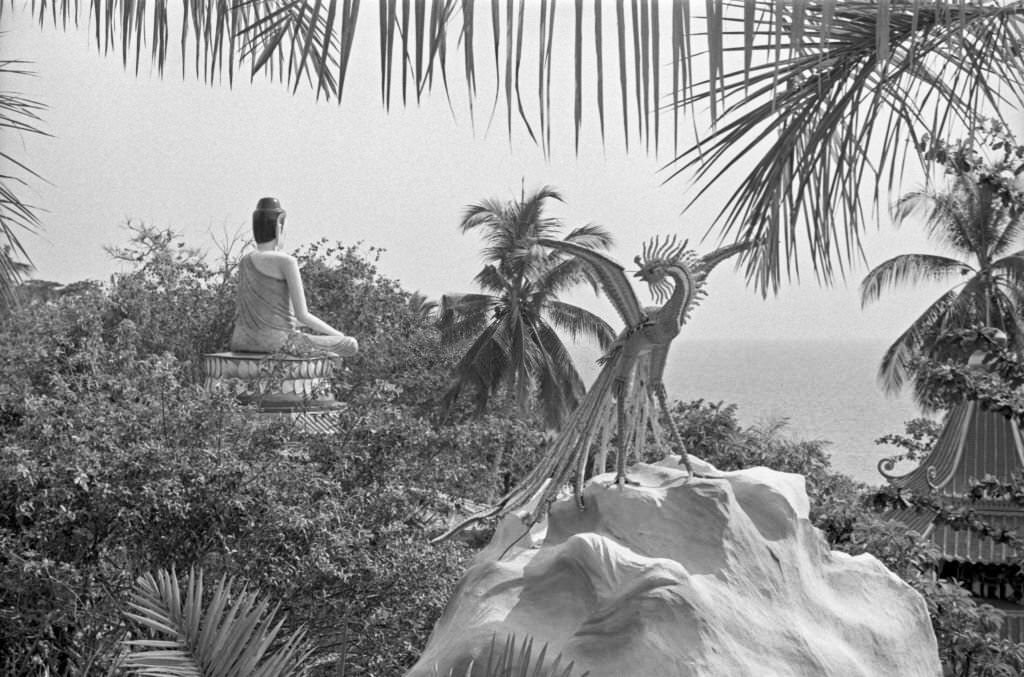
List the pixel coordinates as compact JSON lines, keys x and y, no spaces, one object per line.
{"x":621,"y":388}
{"x":620,"y":438}
{"x":659,"y":392}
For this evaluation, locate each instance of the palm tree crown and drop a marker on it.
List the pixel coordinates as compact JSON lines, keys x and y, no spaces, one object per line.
{"x":981,"y":227}
{"x":512,"y":326}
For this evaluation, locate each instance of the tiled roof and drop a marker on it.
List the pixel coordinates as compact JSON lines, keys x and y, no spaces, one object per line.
{"x":973,"y":443}
{"x":966,"y":545}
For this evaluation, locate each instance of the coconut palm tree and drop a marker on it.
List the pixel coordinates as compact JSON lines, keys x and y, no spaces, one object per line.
{"x":808,"y":101}
{"x":984,"y":231}
{"x":511,"y":328}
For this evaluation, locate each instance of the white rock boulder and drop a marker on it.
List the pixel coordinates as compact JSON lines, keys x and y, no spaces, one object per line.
{"x":679,"y":577}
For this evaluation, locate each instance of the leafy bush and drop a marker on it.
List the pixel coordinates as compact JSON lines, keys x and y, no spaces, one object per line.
{"x":114,"y":462}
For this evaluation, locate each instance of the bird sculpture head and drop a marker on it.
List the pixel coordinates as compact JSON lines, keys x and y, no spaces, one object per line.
{"x":658,"y":258}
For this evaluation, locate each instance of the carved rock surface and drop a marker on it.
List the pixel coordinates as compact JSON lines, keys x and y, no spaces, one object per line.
{"x":679,"y":577}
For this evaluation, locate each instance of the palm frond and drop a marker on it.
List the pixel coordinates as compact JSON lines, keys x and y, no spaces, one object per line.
{"x":578,"y":322}
{"x":465,"y":315}
{"x":559,"y":386}
{"x":909,"y":269}
{"x":974,"y":304}
{"x":1011,"y":229}
{"x":827,"y":98}
{"x":483,"y":367}
{"x":946,"y":218}
{"x":836,"y":114}
{"x":896,"y":363}
{"x":1009,"y":271}
{"x":236,"y":634}
{"x":492,"y":280}
{"x":515,"y":658}
{"x":421,"y":306}
{"x":561,"y":275}
{"x":18,"y":115}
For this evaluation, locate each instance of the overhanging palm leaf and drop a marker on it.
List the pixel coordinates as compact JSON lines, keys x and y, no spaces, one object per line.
{"x":236,"y":635}
{"x":828,"y":94}
{"x":19,"y":115}
{"x":833,"y":109}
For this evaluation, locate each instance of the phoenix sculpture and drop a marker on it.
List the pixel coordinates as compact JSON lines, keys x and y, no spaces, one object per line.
{"x":621,"y":401}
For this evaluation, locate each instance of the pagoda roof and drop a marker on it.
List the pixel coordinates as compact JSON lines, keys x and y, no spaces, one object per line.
{"x":966,"y":545}
{"x":973,"y":443}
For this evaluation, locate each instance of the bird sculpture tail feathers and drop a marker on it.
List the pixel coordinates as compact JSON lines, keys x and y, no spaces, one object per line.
{"x":566,"y":460}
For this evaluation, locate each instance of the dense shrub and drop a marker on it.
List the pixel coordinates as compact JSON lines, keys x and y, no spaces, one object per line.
{"x":114,"y":461}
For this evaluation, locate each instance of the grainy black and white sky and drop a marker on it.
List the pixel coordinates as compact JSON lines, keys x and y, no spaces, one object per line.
{"x":175,"y":152}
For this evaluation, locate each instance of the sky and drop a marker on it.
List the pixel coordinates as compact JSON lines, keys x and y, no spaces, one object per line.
{"x":174,"y":152}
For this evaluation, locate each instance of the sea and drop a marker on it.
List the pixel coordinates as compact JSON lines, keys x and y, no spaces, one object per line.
{"x":823,"y":390}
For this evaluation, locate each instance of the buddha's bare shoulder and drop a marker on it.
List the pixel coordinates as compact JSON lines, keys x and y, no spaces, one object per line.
{"x":272,"y":257}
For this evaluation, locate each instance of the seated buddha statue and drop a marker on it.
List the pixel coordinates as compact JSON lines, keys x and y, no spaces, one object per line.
{"x":271,"y":301}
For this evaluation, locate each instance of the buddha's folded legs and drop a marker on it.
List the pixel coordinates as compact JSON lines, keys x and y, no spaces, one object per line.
{"x":345,"y":346}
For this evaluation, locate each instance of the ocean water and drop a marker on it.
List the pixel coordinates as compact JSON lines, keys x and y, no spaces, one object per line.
{"x":825,"y":390}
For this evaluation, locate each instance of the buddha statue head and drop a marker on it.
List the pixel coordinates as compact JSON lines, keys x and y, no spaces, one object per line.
{"x":267,"y":220}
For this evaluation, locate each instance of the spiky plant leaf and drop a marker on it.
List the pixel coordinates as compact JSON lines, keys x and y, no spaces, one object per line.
{"x":516,"y":659}
{"x":237,"y":634}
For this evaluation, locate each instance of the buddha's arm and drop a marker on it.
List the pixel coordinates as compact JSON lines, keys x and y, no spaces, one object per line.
{"x":297,"y":293}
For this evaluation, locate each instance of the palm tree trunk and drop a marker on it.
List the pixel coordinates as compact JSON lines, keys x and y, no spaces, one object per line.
{"x":497,"y":487}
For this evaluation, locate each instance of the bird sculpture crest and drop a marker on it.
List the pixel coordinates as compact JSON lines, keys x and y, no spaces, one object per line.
{"x":621,"y":400}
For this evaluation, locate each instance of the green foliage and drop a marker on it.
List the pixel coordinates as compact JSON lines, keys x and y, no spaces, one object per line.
{"x":236,"y":634}
{"x":917,"y":440}
{"x":711,"y":431}
{"x":114,"y":461}
{"x":902,"y":550}
{"x":951,"y":376}
{"x":969,"y":644}
{"x":398,"y":343}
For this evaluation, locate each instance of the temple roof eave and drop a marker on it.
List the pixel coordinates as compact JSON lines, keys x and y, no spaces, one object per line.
{"x":973,"y":443}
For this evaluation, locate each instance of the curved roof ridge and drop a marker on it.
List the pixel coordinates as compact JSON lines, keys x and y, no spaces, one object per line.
{"x":943,"y":459}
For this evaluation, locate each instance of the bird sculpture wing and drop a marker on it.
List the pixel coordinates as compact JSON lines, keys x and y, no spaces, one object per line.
{"x":592,"y":423}
{"x":610,"y":275}
{"x":712,"y":259}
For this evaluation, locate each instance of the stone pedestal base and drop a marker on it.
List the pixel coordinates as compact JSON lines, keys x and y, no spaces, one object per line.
{"x":275,"y":383}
